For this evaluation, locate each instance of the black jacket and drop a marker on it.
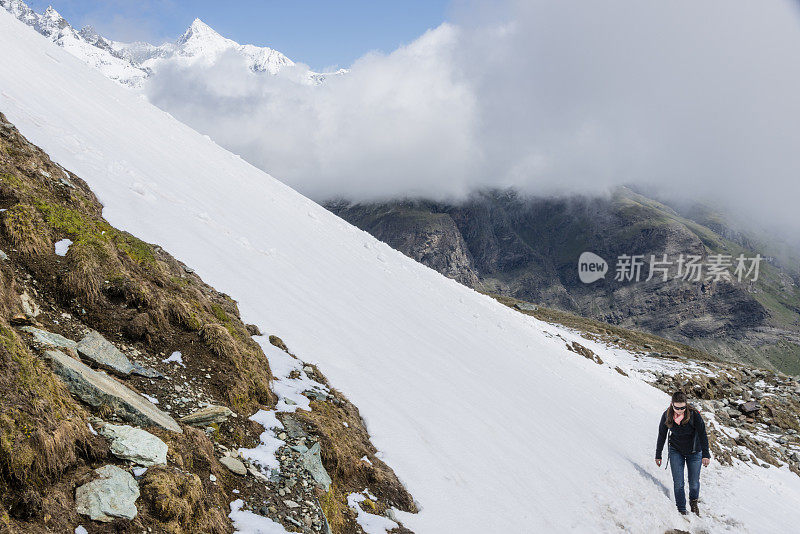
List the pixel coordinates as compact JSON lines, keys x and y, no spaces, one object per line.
{"x":687,"y":437}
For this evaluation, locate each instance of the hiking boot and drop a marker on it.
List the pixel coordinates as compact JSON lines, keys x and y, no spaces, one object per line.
{"x":683,"y":512}
{"x":694,"y":508}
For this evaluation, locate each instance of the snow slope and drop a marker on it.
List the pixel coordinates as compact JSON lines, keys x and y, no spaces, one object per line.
{"x":488,"y":420}
{"x":86,"y":44}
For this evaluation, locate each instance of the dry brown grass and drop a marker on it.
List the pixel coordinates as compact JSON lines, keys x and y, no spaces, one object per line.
{"x":179,"y":498}
{"x":6,"y":527}
{"x":179,"y":501}
{"x":218,"y":339}
{"x":585,"y":352}
{"x":782,"y":412}
{"x":278,"y":342}
{"x":43,"y":431}
{"x":83,"y":278}
{"x":182,"y":315}
{"x":334,"y":505}
{"x":27,"y":231}
{"x":342,"y":450}
{"x":231,"y":341}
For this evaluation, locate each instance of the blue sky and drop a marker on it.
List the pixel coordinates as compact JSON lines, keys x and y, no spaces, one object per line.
{"x":321,"y":33}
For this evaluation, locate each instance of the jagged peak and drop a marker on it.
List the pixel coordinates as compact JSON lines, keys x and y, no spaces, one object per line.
{"x":198,"y":29}
{"x":198,"y":24}
{"x":51,"y":13}
{"x":20,"y":9}
{"x":51,"y":22}
{"x":9,"y":4}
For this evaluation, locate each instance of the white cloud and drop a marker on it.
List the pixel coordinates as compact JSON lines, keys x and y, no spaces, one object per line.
{"x":699,"y":98}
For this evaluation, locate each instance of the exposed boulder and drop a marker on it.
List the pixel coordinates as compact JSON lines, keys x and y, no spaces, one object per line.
{"x":49,"y":338}
{"x":146,"y":372}
{"x":234,"y":465}
{"x":101,"y":351}
{"x":97,"y":348}
{"x":312,"y":461}
{"x":112,"y":495}
{"x":29,"y":305}
{"x":750,"y":407}
{"x":209,"y":415}
{"x":97,"y":389}
{"x":135,"y":444}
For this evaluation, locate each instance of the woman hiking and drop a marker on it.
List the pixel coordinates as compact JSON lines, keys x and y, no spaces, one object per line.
{"x":688,"y":444}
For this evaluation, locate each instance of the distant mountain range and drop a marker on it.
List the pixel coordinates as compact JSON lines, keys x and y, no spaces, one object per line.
{"x":131,"y":63}
{"x":528,"y":248}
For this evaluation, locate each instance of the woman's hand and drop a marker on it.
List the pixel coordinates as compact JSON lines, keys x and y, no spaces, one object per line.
{"x":706,"y":461}
{"x":658,"y":462}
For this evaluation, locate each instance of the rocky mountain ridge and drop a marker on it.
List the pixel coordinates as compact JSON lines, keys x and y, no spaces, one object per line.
{"x":529,"y":248}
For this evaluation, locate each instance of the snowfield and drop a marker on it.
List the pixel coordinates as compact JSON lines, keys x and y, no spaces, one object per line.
{"x":481,"y":411}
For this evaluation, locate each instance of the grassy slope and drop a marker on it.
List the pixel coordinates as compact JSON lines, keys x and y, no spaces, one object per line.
{"x":781,"y":299}
{"x":783,"y":302}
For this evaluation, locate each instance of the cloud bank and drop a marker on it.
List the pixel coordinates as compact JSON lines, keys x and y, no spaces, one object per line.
{"x":697,"y":99}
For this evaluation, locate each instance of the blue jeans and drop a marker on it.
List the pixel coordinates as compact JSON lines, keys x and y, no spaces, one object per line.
{"x":693,"y":464}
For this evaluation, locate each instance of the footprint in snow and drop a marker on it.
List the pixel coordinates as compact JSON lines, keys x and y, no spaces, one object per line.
{"x":138,"y":188}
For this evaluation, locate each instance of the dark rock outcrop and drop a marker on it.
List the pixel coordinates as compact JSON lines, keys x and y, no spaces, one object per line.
{"x":528,"y":248}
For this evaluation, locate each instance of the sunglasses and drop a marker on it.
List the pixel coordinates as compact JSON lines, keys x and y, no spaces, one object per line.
{"x":679,"y":408}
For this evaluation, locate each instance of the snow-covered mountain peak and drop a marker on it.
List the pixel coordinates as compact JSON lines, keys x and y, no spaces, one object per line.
{"x":131,"y":63}
{"x":199,"y":31}
{"x":202,"y":42}
{"x":51,"y":22}
{"x":51,"y":14}
{"x":198,"y":28}
{"x":265,"y":59}
{"x":90,"y":35}
{"x":19,"y":9}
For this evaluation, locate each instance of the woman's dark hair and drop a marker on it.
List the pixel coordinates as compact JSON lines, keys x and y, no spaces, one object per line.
{"x":678,"y":396}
